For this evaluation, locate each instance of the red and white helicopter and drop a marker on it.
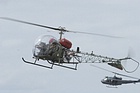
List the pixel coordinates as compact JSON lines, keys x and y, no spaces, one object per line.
{"x":58,"y":52}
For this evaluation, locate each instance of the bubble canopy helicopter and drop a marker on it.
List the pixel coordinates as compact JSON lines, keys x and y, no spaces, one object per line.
{"x":58,"y":52}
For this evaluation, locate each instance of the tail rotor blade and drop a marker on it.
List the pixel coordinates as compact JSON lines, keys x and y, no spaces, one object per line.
{"x":131,"y":52}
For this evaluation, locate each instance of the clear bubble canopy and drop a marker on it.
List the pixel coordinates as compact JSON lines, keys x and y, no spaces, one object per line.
{"x":41,"y":43}
{"x":44,"y":39}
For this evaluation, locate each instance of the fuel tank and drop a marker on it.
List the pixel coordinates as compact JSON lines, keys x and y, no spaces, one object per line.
{"x":65,"y":43}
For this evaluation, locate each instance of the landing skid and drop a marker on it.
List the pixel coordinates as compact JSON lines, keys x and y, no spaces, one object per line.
{"x":111,"y":86}
{"x":34,"y":63}
{"x":52,"y":63}
{"x":58,"y":64}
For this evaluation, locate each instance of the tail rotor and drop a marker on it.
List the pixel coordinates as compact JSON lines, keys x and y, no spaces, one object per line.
{"x":129,"y":64}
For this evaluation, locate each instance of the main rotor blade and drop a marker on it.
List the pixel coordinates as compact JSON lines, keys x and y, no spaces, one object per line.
{"x":115,"y":72}
{"x":95,"y":34}
{"x":57,"y":29}
{"x":102,"y":68}
{"x":25,"y":22}
{"x":125,"y":75}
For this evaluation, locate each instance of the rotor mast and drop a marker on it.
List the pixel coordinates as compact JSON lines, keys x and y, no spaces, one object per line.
{"x":62,"y":30}
{"x":61,"y":33}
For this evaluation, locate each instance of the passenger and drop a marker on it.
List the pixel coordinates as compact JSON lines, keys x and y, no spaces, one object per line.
{"x":53,"y":46}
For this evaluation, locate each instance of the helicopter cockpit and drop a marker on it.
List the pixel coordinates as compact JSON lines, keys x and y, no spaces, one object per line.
{"x":106,"y":79}
{"x":45,"y":46}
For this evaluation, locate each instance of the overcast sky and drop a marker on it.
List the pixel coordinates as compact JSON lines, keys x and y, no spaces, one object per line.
{"x":112,"y":17}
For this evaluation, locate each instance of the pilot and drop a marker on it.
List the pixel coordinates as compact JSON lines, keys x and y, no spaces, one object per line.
{"x":42,"y":47}
{"x":53,"y":46}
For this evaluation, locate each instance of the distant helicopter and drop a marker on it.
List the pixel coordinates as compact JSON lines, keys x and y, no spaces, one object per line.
{"x":115,"y":81}
{"x":57,"y":51}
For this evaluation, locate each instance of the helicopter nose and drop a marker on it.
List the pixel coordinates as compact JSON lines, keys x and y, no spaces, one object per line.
{"x":103,"y":81}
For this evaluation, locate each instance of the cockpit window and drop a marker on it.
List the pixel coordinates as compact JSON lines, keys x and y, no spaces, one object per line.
{"x":105,"y":79}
